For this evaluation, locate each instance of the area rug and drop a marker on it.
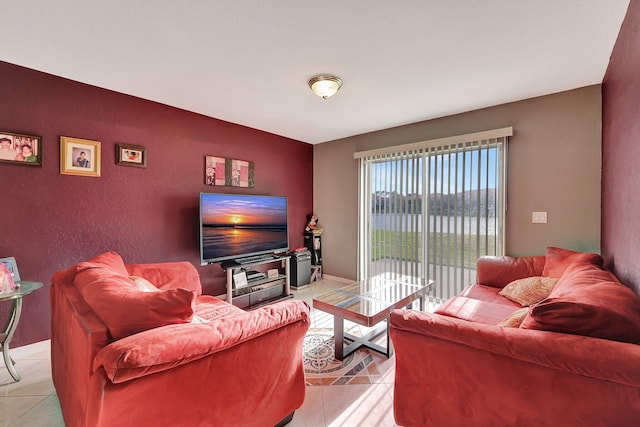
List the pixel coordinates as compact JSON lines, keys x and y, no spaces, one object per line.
{"x":321,"y":368}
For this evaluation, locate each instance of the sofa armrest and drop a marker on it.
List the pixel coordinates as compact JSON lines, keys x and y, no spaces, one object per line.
{"x":169,"y":346}
{"x":499,"y":271}
{"x":596,"y":358}
{"x":168,"y":275}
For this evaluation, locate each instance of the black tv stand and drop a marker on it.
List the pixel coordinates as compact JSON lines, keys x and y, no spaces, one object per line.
{"x":261,"y":290}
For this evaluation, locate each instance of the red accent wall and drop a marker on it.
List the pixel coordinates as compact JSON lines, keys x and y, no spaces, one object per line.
{"x":50,"y":221}
{"x":621,"y":153}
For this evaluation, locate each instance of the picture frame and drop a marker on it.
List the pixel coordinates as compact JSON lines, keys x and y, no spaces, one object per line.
{"x":79,"y":157}
{"x":240,"y":173}
{"x":20,"y":149}
{"x":240,"y":280}
{"x":228,"y":172}
{"x":10,"y":263}
{"x":131,"y":155}
{"x":214,"y":170}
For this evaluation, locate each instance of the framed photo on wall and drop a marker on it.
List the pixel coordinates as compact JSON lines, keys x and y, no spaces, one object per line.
{"x":20,"y":149}
{"x":229,"y":172}
{"x":241,"y":173}
{"x":214,"y":168}
{"x":131,"y":155}
{"x":79,"y":157}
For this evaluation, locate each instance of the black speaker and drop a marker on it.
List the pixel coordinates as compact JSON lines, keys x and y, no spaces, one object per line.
{"x":300,"y":266}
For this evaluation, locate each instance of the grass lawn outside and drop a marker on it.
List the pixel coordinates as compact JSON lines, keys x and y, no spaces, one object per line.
{"x":443,"y":248}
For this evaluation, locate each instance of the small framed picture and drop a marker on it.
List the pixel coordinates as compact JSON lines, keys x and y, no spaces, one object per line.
{"x":11,"y":265}
{"x":20,"y":149}
{"x":240,"y":280}
{"x":131,"y":155}
{"x":241,"y":173}
{"x":214,"y":170}
{"x":79,"y":157}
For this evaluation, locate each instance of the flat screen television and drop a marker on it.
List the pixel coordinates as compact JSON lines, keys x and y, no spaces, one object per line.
{"x":234,"y":226}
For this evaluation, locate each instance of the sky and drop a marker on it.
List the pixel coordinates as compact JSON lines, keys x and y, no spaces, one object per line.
{"x":443,"y":170}
{"x":243,"y":209}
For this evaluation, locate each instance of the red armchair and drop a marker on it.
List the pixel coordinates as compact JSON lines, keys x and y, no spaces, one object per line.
{"x":195,"y":361}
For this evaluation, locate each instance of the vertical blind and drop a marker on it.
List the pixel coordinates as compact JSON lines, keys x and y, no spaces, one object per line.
{"x":430,"y":209}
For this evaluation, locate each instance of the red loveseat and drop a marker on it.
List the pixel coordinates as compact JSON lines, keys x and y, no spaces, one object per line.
{"x":127,"y":353}
{"x":569,"y":359}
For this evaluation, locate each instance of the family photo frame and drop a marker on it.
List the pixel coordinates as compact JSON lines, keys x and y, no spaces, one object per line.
{"x":10,"y":263}
{"x":79,"y":157}
{"x":20,"y":149}
{"x":131,"y":155}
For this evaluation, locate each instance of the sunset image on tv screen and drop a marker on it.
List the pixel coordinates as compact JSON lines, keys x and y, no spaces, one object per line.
{"x":237,"y":225}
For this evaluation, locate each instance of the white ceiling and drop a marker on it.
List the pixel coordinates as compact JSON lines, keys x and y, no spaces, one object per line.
{"x":248,"y":62}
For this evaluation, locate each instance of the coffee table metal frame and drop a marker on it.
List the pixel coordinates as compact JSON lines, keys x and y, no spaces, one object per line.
{"x":368,"y":303}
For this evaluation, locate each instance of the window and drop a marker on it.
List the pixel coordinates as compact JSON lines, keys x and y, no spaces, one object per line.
{"x":431,"y":209}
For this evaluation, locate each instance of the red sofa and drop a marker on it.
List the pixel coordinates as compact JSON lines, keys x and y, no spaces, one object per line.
{"x":569,"y":359}
{"x":127,"y":353}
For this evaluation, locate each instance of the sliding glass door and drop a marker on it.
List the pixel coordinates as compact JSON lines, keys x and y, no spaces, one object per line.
{"x":431,"y":211}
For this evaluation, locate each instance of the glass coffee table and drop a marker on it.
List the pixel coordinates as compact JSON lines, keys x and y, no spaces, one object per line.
{"x":369,"y":303}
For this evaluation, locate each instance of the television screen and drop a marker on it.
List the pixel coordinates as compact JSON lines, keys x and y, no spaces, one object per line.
{"x":240,"y":225}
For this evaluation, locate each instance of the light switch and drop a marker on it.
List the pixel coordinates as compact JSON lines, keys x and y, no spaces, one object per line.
{"x":539,"y":218}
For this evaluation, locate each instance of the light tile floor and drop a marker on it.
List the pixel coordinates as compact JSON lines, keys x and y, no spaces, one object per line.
{"x":32,"y":401}
{"x":361,"y":405}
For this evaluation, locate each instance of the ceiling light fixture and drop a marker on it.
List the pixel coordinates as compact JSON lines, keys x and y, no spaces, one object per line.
{"x":325,"y":85}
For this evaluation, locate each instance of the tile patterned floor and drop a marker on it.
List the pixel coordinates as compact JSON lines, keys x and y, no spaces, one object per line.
{"x":32,"y":402}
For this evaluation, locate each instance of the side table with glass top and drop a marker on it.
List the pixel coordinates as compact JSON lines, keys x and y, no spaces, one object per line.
{"x":24,"y":288}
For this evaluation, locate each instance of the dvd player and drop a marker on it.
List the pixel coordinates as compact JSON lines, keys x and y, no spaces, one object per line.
{"x":253,"y":275}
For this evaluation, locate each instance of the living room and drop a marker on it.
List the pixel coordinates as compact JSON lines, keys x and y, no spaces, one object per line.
{"x":573,"y":154}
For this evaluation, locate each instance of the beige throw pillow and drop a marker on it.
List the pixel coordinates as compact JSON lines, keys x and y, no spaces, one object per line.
{"x":529,"y":291}
{"x":515,"y":319}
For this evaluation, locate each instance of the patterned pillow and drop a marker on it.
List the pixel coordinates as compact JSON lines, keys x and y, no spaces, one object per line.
{"x":529,"y":291}
{"x":515,"y":319}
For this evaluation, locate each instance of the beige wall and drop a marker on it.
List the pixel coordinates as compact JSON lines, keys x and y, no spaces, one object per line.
{"x":554,"y":165}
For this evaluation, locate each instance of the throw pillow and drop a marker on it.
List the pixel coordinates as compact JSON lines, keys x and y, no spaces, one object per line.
{"x":590,"y":301}
{"x":528,"y":291}
{"x":126,"y":311}
{"x":558,"y":259}
{"x":515,"y":319}
{"x":109,"y":260}
{"x":101,"y":268}
{"x":168,"y":275}
{"x":143,"y":284}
